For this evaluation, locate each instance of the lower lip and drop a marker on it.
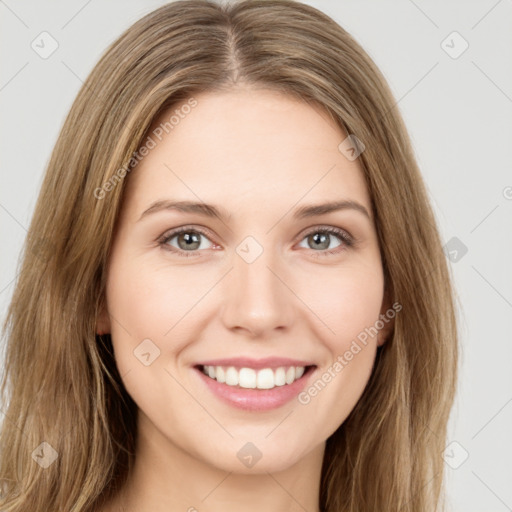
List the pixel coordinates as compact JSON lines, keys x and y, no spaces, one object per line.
{"x":256,"y":399}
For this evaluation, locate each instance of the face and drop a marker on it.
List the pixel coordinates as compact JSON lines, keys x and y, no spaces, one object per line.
{"x":256,"y":290}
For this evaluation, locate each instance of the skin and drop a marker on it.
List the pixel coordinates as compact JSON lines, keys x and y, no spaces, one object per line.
{"x":259,"y":155}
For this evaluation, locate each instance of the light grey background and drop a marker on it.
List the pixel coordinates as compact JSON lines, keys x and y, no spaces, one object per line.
{"x":459,"y":115}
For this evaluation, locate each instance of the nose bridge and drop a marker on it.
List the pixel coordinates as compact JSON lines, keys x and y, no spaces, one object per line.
{"x":257,"y":299}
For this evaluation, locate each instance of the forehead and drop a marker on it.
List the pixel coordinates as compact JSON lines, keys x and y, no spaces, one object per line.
{"x":249,"y":148}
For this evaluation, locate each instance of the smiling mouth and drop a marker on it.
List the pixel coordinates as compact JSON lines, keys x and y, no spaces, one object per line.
{"x":250,"y":378}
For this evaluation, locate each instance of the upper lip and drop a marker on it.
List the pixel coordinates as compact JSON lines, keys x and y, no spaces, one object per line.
{"x":247,"y":362}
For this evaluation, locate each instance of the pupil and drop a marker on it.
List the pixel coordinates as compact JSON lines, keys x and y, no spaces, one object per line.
{"x":190,"y":239}
{"x":322,"y":239}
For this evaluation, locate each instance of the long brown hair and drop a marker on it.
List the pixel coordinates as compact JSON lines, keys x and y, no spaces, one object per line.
{"x":61,"y":391}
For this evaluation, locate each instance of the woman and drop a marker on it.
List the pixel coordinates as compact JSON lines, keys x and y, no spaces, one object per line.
{"x":233,"y":293}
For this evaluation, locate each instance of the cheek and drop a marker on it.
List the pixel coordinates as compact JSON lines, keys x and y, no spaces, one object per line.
{"x":350,"y":305}
{"x":148,"y":300}
{"x":348,"y":300}
{"x":147,"y":296}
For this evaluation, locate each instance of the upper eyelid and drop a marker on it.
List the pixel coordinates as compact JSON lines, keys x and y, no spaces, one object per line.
{"x":171,"y":233}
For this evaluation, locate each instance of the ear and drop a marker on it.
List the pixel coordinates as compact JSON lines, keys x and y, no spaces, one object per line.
{"x":387,"y":317}
{"x":103,"y":320}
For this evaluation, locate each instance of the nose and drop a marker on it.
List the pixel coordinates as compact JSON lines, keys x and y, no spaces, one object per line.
{"x":258,"y":296}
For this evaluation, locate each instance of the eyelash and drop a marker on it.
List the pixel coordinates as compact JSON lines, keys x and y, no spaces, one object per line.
{"x":345,"y":238}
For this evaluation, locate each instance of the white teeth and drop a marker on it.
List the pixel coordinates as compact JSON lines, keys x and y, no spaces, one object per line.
{"x":266,"y":378}
{"x":231,"y":376}
{"x":247,"y":378}
{"x":280,"y":377}
{"x":220,"y":374}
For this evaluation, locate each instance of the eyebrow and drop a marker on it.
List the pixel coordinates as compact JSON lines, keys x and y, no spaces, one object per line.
{"x":209,"y":210}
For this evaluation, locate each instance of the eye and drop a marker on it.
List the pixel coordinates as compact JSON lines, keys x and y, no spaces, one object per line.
{"x":188,"y":241}
{"x":321,"y":239}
